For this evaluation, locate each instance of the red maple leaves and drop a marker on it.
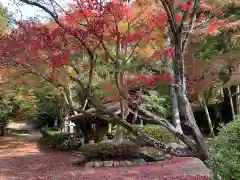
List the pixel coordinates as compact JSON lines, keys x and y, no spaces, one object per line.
{"x":147,"y":80}
{"x":100,"y":27}
{"x":214,"y":25}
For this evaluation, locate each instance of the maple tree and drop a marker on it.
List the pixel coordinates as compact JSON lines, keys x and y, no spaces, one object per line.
{"x":116,"y":33}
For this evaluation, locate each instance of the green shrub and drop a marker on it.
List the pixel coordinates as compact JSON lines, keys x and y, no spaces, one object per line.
{"x":57,"y":139}
{"x":6,"y":107}
{"x":48,"y":113}
{"x":105,"y":150}
{"x":224,"y":158}
{"x":158,"y":132}
{"x":158,"y":103}
{"x":28,"y":109}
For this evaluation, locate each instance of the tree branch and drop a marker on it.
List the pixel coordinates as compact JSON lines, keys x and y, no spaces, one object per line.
{"x":56,"y":19}
{"x":171,"y":16}
{"x":170,"y":127}
{"x":191,"y":24}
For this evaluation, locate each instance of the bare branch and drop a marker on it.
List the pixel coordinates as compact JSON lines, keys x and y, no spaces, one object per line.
{"x":191,"y":23}
{"x":171,"y":16}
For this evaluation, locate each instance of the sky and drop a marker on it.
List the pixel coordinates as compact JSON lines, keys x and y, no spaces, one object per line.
{"x":25,"y":11}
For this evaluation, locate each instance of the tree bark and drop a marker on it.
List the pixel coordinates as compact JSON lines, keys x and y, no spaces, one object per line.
{"x":238,"y":99}
{"x":176,"y":121}
{"x":180,"y":87}
{"x":189,"y":117}
{"x":122,"y":90}
{"x":231,"y":102}
{"x":135,"y":117}
{"x":208,"y":117}
{"x":175,"y":111}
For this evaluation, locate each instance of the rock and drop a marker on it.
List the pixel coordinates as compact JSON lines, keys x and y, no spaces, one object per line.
{"x":78,"y":154}
{"x":98,"y":164}
{"x":134,"y":162}
{"x":89,"y":164}
{"x":150,"y":154}
{"x":161,"y":153}
{"x":115,"y":163}
{"x":196,"y":166}
{"x":147,"y":156}
{"x":122,"y":163}
{"x":128,"y":163}
{"x":162,"y":158}
{"x":141,"y":161}
{"x":168,"y":156}
{"x":108,"y":163}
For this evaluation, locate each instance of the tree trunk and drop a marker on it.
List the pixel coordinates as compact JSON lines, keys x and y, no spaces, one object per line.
{"x":123,"y":92}
{"x":174,"y":100}
{"x":238,"y":99}
{"x":119,"y":136}
{"x":175,"y":111}
{"x":231,"y":102}
{"x":189,"y":117}
{"x":135,"y":117}
{"x":208,"y":117}
{"x":184,"y":104}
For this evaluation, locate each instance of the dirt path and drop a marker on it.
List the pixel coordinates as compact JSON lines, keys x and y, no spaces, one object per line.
{"x":21,"y":158}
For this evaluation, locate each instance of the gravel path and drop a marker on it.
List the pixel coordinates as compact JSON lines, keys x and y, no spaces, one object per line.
{"x":21,"y":158}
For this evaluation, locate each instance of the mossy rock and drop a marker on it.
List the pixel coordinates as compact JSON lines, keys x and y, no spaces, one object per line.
{"x":107,"y":150}
{"x":150,"y":154}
